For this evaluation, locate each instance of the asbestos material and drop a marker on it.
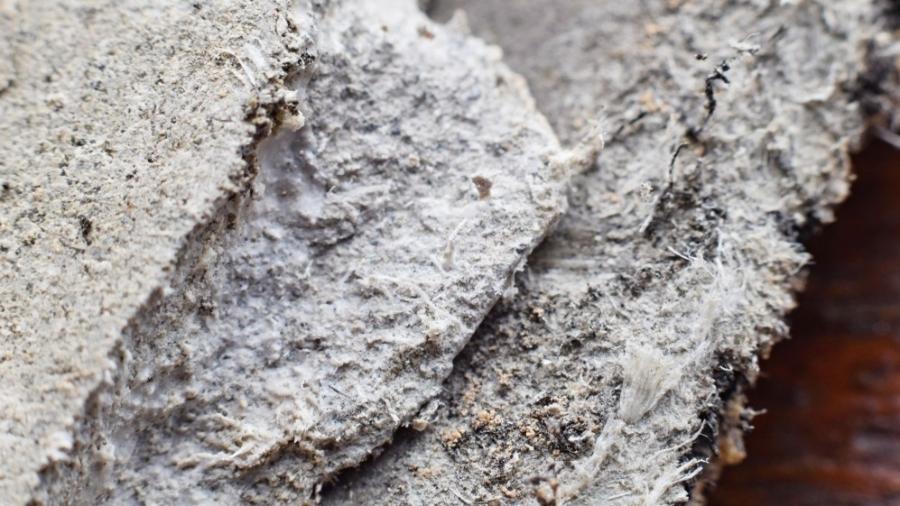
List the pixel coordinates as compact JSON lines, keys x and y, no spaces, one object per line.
{"x":242,"y":243}
{"x":608,"y":376}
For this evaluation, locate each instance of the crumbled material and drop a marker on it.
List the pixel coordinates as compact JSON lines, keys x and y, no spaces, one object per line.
{"x":241,"y":242}
{"x":727,"y":128}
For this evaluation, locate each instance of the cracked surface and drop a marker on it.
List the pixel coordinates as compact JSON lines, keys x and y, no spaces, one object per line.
{"x":316,"y":305}
{"x":727,"y":129}
{"x":242,"y":243}
{"x":106,"y":163}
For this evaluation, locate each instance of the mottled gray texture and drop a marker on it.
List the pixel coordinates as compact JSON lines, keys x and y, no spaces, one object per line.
{"x":242,"y":242}
{"x":182,"y":324}
{"x":121,"y":130}
{"x":603,"y":380}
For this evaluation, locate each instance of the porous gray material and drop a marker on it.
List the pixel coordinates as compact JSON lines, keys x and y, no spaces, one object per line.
{"x":243,"y":242}
{"x":603,"y":380}
{"x":121,"y":129}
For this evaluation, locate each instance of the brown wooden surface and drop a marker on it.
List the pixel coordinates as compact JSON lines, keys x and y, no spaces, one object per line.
{"x":831,"y":435}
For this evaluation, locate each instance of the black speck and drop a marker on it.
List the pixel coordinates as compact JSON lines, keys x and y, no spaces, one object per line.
{"x":86,"y":227}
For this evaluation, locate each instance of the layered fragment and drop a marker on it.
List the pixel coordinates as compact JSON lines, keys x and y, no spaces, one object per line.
{"x":609,"y":376}
{"x":385,"y":178}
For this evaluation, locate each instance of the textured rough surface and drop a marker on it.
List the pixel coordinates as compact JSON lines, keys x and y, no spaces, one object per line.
{"x":111,"y":151}
{"x":829,"y":434}
{"x":241,"y":243}
{"x":281,"y":318}
{"x":606,"y":378}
